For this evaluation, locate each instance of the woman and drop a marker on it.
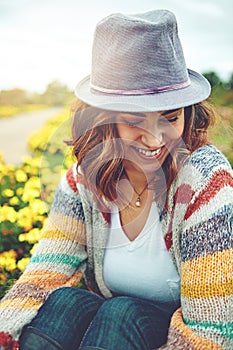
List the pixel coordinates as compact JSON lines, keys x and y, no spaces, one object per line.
{"x":144,"y":216}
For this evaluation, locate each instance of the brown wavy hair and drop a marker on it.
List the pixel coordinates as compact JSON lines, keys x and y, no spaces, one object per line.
{"x":98,"y":149}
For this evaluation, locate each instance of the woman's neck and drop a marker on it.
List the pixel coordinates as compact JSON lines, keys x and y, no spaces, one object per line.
{"x":138,"y":179}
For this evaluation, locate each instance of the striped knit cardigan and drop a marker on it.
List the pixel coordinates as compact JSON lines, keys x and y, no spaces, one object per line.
{"x":198,"y":233}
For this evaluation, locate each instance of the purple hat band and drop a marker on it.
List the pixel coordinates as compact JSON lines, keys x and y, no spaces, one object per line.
{"x":141,"y":92}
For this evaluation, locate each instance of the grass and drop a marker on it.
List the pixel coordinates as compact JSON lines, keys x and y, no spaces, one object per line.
{"x":221,"y":134}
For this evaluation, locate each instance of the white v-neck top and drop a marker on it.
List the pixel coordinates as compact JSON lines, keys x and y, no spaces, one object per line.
{"x":142,"y":267}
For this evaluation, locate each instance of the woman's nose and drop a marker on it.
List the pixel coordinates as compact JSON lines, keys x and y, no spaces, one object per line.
{"x":152,"y":139}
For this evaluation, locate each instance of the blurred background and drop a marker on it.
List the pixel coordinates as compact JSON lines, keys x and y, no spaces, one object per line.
{"x":46,"y":40}
{"x":45,"y":50}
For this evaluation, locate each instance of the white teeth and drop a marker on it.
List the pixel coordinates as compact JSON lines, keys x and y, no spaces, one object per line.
{"x":148,"y":153}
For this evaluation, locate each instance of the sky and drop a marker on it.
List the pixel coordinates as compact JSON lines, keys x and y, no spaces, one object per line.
{"x":46,"y":40}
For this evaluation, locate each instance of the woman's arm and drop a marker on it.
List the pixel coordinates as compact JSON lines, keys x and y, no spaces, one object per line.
{"x":58,"y":261}
{"x":204,"y":320}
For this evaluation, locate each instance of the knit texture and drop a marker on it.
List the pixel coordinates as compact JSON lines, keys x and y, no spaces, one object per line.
{"x":197,"y":229}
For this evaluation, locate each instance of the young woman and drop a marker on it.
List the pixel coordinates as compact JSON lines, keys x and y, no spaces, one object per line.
{"x":144,"y":218}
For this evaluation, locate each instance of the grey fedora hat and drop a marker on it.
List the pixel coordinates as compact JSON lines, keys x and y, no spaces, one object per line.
{"x":138,"y":65}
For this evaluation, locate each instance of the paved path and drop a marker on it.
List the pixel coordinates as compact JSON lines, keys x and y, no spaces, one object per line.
{"x":14,"y":132}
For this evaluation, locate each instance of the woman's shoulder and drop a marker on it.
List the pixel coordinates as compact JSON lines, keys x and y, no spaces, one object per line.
{"x":206,"y":160}
{"x":69,"y":181}
{"x":67,"y":200}
{"x":73,"y":185}
{"x":68,"y":188}
{"x":204,"y":184}
{"x":205,"y":167}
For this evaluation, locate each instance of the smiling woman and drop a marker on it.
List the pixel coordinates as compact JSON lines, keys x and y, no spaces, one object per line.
{"x":142,"y":217}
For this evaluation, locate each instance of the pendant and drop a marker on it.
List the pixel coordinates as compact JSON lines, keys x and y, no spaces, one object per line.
{"x":138,"y":202}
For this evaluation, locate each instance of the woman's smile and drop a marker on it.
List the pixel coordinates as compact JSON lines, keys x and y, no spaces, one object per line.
{"x":148,"y":154}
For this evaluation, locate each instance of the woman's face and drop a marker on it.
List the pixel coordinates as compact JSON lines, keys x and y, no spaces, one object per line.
{"x":149,"y":137}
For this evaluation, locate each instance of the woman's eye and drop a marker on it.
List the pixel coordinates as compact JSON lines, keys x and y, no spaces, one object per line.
{"x":173,"y":119}
{"x":132,"y":123}
{"x":170,"y":120}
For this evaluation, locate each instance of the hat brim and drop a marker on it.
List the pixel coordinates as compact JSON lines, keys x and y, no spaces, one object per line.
{"x":198,"y":90}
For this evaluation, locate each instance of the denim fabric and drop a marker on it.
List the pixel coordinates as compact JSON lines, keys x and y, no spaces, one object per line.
{"x":76,"y":317}
{"x":33,"y":339}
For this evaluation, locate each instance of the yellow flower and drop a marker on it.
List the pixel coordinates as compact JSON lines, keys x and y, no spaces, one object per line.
{"x":7,"y":214}
{"x":34,"y":182}
{"x":1,"y":157}
{"x":20,"y":175}
{"x":8,"y":264}
{"x":9,"y":254}
{"x":22,"y":263}
{"x":30,"y":194}
{"x":19,"y":191}
{"x":21,"y":237}
{"x":32,"y":251}
{"x":38,"y":207}
{"x":8,"y":260}
{"x":34,"y":235}
{"x":31,"y":189}
{"x":8,"y":192}
{"x":31,"y":237}
{"x":25,"y":218}
{"x":14,"y":201}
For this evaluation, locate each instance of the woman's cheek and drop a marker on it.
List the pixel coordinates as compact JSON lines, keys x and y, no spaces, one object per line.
{"x":126,"y":132}
{"x":174,"y":133}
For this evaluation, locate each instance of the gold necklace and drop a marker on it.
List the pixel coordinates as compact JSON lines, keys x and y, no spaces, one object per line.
{"x":138,"y":200}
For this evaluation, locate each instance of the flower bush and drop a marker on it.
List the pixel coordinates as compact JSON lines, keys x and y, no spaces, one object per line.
{"x":26,"y":192}
{"x":21,"y":213}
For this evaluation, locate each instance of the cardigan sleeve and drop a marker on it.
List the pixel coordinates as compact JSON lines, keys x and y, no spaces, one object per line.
{"x":203,"y":221}
{"x":59,"y":260}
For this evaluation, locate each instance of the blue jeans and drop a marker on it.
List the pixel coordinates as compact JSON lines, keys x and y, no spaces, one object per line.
{"x":75,"y":318}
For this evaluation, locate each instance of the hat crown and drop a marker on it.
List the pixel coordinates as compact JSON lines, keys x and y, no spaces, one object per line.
{"x":138,"y":66}
{"x":138,"y":52}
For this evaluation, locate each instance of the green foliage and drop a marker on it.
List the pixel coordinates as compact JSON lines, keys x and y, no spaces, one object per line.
{"x":16,"y":101}
{"x":56,"y":94}
{"x":213,"y":78}
{"x":221,"y":133}
{"x":221,"y":96}
{"x":230,"y":82}
{"x":14,"y":97}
